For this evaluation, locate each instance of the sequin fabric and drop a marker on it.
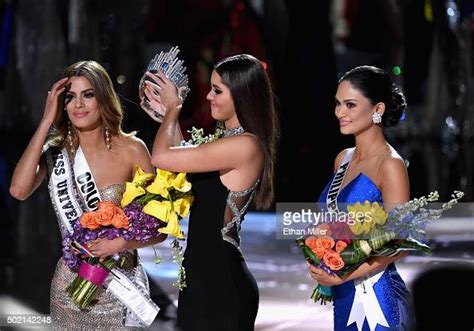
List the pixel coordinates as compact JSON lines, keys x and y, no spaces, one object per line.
{"x":107,"y":314}
{"x":238,"y":202}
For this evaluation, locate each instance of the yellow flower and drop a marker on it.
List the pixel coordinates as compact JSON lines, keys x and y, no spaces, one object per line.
{"x":141,"y":177}
{"x":135,"y":188}
{"x":172,"y":228}
{"x":182,"y":206}
{"x":366,"y":217}
{"x":159,"y":186}
{"x":159,"y":209}
{"x":166,"y":175}
{"x":131,"y":192}
{"x":180,"y":183}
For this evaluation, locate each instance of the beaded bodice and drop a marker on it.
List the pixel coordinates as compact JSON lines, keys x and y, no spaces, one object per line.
{"x":112,"y":193}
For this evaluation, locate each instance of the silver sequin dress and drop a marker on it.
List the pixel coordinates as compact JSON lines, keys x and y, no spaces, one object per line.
{"x":108,"y":313}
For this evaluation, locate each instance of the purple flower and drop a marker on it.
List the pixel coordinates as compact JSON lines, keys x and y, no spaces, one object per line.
{"x":142,"y":227}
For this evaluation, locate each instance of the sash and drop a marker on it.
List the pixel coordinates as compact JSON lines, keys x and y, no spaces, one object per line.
{"x":66,"y":203}
{"x":85,"y":181}
{"x":365,"y":304}
{"x":335,"y":188}
{"x":69,"y":202}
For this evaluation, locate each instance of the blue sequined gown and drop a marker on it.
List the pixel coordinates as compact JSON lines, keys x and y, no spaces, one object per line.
{"x":391,"y":292}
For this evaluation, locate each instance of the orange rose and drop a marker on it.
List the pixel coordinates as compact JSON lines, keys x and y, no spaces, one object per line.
{"x":120,"y":220}
{"x":319,"y":252}
{"x":88,"y":221}
{"x":105,"y":213}
{"x":325,"y":242}
{"x":310,"y":241}
{"x":333,"y":260}
{"x":340,"y":246}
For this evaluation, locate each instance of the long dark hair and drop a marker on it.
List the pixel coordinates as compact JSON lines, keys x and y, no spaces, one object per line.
{"x":251,"y":91}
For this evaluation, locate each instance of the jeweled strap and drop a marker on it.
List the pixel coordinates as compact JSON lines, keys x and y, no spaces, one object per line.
{"x":335,"y":188}
{"x":233,"y":132}
{"x":237,"y":214}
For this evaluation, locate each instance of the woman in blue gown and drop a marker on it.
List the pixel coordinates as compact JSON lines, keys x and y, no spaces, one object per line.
{"x":372,"y":297}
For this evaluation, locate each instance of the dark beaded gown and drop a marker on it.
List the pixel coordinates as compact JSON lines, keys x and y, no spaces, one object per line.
{"x":221,"y":293}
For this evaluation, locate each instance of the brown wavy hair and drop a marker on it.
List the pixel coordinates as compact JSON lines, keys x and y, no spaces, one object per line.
{"x":253,"y":97}
{"x":111,"y":111}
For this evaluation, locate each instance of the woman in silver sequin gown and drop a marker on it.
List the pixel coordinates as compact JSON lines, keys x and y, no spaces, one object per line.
{"x":226,"y":174}
{"x":83,"y":110}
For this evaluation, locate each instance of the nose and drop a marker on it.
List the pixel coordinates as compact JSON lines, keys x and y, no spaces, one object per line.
{"x":339,"y":111}
{"x":209,"y":96}
{"x":78,"y":102}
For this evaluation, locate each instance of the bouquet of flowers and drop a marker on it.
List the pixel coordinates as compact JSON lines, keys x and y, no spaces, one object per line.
{"x":340,"y":247}
{"x":108,"y":221}
{"x":151,"y":206}
{"x":150,"y":201}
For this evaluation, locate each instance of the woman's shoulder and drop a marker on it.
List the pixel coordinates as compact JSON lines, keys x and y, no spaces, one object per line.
{"x":132,"y":145}
{"x":392,"y":164}
{"x":246,"y":143}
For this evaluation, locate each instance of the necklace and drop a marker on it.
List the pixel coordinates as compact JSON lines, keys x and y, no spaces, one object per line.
{"x":233,"y":132}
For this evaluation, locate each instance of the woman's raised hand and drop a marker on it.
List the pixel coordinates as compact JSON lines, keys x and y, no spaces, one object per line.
{"x":152,"y":104}
{"x":51,"y":105}
{"x":168,"y":94}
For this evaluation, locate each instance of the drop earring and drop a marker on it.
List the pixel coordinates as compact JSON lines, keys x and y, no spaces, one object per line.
{"x":108,"y":142}
{"x":376,"y":118}
{"x":69,"y":139}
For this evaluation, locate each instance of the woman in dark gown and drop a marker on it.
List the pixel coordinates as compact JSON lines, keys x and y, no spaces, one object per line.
{"x":226,"y":174}
{"x":374,"y":296}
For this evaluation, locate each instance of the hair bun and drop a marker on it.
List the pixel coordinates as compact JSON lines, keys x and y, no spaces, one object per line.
{"x":395,"y":110}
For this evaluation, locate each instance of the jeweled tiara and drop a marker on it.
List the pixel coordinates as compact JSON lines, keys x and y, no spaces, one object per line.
{"x":173,"y":69}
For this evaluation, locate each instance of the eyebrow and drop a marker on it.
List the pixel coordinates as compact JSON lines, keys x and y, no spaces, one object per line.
{"x":85,"y":91}
{"x":346,"y":100}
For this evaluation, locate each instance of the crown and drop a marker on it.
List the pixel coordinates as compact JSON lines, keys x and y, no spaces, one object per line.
{"x":172,"y":67}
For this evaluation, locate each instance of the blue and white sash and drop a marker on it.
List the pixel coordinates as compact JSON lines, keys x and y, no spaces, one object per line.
{"x":365,"y":304}
{"x":73,"y":190}
{"x":335,"y":188}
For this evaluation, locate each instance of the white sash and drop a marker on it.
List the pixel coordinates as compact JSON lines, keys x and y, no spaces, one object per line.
{"x":69,"y":207}
{"x":365,"y":304}
{"x":85,"y":181}
{"x":334,"y":189}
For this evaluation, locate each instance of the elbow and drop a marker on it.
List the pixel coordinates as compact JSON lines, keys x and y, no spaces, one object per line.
{"x":158,"y":161}
{"x":17,"y":193}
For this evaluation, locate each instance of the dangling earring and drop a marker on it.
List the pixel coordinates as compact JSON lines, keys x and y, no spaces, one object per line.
{"x":376,"y":118}
{"x":69,"y":139}
{"x":108,"y":142}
